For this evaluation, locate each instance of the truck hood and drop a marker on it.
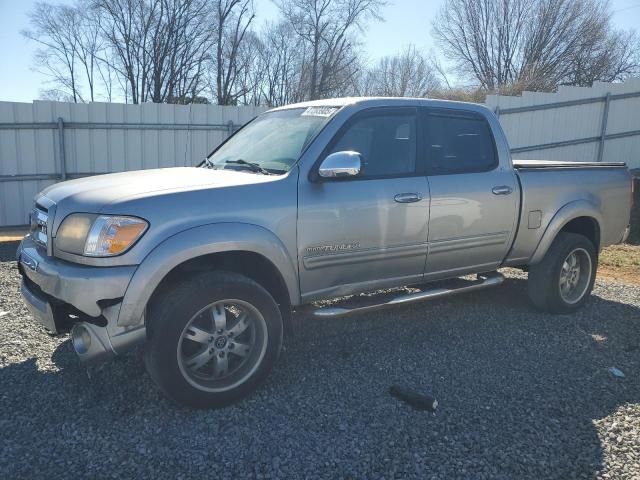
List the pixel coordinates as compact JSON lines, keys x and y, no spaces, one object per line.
{"x":174,"y":200}
{"x":94,"y":194}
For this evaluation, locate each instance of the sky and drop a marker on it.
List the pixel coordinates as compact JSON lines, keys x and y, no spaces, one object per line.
{"x":406,"y":22}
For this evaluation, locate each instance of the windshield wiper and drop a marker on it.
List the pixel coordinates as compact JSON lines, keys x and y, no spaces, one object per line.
{"x":207,"y":163}
{"x":254,"y":167}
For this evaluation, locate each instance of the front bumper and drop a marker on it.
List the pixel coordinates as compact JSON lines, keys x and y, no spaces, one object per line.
{"x":39,"y":308}
{"x":78,"y":285}
{"x":53,"y":288}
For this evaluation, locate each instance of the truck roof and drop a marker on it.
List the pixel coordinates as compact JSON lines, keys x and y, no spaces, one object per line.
{"x":385,"y":102}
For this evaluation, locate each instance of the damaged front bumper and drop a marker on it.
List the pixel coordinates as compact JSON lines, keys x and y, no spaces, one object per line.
{"x":62,"y":295}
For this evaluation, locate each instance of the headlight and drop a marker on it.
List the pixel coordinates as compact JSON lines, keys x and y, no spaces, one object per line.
{"x":99,"y":236}
{"x":72,"y":234}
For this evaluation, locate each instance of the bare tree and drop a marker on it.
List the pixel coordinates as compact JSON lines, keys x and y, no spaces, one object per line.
{"x":88,"y":45}
{"x":72,"y":50}
{"x":232,"y":21}
{"x":615,"y":59}
{"x":326,"y":28}
{"x":180,"y":48}
{"x":282,"y":63}
{"x":54,"y":28}
{"x":159,"y":47}
{"x":55,"y":95}
{"x":533,"y":44}
{"x":251,"y":67}
{"x":126,"y":26}
{"x":407,"y":74}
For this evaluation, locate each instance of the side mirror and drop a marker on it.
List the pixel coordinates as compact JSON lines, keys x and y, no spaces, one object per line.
{"x":341,"y":164}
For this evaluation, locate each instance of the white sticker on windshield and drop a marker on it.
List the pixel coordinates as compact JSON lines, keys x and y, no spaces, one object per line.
{"x":319,"y":111}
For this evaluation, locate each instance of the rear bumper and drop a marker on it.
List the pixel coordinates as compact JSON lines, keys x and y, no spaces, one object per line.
{"x":50,"y":286}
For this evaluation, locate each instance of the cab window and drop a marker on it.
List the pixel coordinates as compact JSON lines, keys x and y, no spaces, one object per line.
{"x":386,"y":142}
{"x":458,"y":144}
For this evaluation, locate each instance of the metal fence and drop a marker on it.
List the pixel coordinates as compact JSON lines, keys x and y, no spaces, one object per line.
{"x":599,"y":123}
{"x":45,"y":142}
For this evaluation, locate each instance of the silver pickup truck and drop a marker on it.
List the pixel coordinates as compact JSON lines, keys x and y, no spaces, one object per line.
{"x":318,"y":200}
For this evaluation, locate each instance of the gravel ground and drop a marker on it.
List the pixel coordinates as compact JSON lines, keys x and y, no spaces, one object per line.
{"x":521,"y":395}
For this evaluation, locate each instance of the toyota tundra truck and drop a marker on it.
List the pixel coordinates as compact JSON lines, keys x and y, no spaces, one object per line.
{"x":203,"y":265}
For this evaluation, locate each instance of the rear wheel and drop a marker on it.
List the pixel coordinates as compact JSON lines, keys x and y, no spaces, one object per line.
{"x":563,"y":281}
{"x":213,"y":339}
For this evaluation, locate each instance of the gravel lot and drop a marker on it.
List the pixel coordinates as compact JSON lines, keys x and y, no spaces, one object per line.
{"x":522,"y":395}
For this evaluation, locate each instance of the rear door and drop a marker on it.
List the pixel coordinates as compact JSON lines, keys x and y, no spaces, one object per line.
{"x":473,"y":195}
{"x":367,"y":231}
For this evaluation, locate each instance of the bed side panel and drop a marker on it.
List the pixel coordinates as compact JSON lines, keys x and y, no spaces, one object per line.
{"x":546,"y":191}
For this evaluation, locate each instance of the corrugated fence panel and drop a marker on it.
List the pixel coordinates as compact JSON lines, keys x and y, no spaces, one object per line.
{"x":9,"y":154}
{"x":568,"y":125}
{"x":101,"y":138}
{"x":27,"y":152}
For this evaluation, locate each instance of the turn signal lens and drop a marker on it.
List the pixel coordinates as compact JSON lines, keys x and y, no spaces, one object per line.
{"x":113,"y":235}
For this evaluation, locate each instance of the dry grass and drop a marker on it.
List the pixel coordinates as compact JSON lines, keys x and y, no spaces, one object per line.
{"x":621,"y":262}
{"x":623,"y":256}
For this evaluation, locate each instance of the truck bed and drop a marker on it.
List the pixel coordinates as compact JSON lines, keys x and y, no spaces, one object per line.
{"x":546,"y":186}
{"x":551,"y":164}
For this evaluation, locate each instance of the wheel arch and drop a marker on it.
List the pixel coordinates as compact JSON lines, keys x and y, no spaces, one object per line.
{"x":585,"y":226}
{"x":247,"y":263}
{"x":580,"y":217}
{"x":242,"y":248}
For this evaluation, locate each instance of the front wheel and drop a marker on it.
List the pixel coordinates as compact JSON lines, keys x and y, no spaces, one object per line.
{"x":563,"y":280}
{"x":213,"y":339}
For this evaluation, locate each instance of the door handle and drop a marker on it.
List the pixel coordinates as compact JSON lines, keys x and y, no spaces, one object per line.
{"x":502,"y":190}
{"x":407,"y":197}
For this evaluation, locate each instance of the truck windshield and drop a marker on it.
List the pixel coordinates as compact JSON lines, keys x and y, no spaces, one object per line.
{"x":273,"y":142}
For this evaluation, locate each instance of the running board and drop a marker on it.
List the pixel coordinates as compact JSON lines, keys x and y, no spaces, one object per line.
{"x":485,"y":280}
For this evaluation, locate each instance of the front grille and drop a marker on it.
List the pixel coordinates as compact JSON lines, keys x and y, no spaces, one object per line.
{"x":39,"y":230}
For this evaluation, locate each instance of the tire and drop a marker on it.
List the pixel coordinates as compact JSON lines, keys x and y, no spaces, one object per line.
{"x":199,"y":365}
{"x":554,"y":285}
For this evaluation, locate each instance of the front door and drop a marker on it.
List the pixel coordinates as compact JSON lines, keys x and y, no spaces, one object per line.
{"x":368,"y":231}
{"x":473,"y":196}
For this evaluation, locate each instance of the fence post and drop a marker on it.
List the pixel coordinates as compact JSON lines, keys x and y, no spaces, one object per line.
{"x":63,"y":160}
{"x":230,"y":128}
{"x":497,"y":111}
{"x":603,"y":127}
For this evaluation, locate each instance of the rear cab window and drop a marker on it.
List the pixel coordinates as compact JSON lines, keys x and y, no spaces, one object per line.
{"x":457,"y":142}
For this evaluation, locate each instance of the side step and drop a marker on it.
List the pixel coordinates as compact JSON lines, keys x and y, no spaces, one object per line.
{"x":485,"y":280}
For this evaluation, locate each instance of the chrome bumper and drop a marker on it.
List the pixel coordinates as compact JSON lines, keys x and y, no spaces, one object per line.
{"x":49,"y":282}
